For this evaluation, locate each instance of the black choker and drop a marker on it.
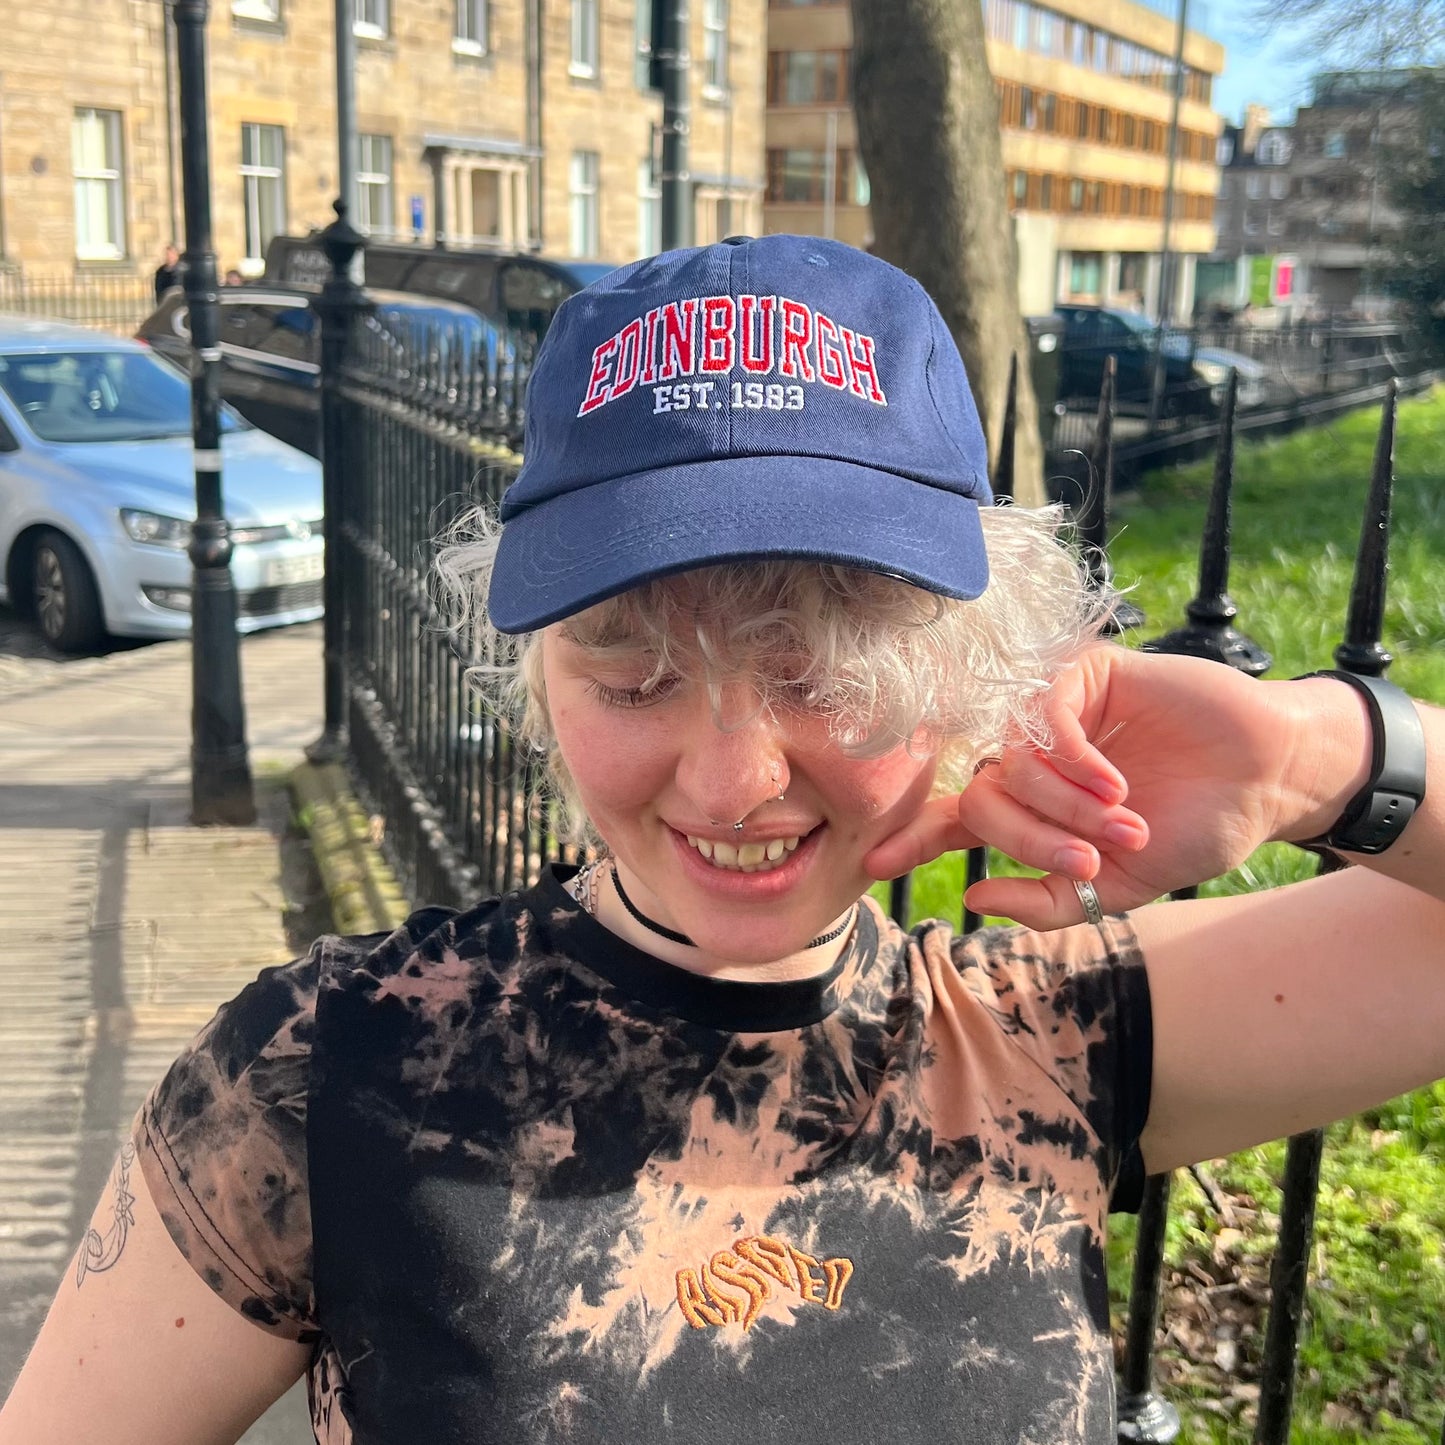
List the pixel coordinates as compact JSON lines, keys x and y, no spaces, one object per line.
{"x":673,"y":936}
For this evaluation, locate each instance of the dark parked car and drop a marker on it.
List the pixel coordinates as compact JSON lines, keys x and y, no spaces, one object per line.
{"x":510,"y":291}
{"x":1194,"y":378}
{"x":271,"y":347}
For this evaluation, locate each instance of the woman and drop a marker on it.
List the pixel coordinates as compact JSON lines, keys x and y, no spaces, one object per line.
{"x":695,"y":1142}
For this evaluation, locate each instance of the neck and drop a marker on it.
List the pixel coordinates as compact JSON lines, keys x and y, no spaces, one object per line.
{"x":805,"y":963}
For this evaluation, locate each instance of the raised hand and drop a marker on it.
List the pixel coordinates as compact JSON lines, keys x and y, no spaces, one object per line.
{"x":1211,"y":763}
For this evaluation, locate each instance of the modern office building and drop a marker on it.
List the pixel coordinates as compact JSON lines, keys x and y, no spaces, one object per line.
{"x":510,"y":123}
{"x":1085,"y":96}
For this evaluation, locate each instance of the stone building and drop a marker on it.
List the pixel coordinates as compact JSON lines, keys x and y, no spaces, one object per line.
{"x":508,"y":123}
{"x":1339,"y":219}
{"x":1085,"y":94}
{"x":1311,"y":198}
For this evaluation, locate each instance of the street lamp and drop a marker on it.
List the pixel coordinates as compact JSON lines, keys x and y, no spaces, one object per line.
{"x":221,"y":790}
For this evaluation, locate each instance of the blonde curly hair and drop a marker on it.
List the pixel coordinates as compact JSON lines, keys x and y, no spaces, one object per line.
{"x":889,"y":663}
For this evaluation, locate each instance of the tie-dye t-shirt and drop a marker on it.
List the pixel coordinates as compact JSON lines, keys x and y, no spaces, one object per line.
{"x":514,"y":1180}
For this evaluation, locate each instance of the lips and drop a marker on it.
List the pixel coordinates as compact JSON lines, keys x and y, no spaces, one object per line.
{"x":759,"y":856}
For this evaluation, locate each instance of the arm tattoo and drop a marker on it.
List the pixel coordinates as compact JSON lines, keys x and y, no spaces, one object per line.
{"x":100,"y":1251}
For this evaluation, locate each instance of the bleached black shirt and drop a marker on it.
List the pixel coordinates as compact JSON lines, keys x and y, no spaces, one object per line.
{"x":515,"y":1180}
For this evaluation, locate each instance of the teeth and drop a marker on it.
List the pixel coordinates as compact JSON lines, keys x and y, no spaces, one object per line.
{"x":747,"y":857}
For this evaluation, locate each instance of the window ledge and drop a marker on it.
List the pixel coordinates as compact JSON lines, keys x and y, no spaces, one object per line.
{"x":257,"y":22}
{"x":364,"y":31}
{"x":579,"y":71}
{"x":717,"y":95}
{"x":472,"y":49}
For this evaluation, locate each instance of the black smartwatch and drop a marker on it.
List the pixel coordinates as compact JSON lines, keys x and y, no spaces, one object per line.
{"x":1377,"y":814}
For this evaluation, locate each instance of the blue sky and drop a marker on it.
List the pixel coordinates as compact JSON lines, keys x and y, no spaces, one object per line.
{"x":1267,"y":68}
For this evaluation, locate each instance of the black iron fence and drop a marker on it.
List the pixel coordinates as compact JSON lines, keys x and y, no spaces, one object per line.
{"x":414,"y":433}
{"x":1290,"y":375}
{"x":101,"y":300}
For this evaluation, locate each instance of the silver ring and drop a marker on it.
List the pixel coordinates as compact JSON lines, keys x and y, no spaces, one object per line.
{"x":738,"y":826}
{"x":1090,"y":900}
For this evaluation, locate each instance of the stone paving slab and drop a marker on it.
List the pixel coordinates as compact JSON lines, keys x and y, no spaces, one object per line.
{"x":125,"y":926}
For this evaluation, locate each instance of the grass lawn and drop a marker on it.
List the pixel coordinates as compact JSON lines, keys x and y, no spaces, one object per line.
{"x":1373,"y":1352}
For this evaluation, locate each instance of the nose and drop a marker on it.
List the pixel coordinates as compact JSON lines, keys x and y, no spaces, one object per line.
{"x":735,"y":760}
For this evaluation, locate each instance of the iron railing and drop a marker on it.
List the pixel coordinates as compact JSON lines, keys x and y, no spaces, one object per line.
{"x":1311,"y":371}
{"x":415,"y":434}
{"x":103,"y":301}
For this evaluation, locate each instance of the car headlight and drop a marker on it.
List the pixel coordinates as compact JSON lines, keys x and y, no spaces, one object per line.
{"x":1215,"y":373}
{"x":157,"y":530}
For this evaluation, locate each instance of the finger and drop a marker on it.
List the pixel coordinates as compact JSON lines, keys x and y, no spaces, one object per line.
{"x":1043,"y":903}
{"x":1015,"y":829}
{"x":933,"y":831}
{"x":1035,"y":782}
{"x":1081,"y":760}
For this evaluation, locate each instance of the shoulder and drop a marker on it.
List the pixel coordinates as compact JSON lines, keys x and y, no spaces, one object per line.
{"x":1019,"y":974}
{"x":1073,"y":1003}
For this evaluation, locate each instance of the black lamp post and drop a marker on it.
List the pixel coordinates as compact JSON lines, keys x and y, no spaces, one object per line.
{"x":221,"y":790}
{"x":672,"y":75}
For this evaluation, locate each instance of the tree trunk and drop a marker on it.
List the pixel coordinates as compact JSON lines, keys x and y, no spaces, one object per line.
{"x":927,"y":115}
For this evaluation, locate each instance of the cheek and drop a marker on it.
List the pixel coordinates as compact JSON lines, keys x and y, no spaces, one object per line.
{"x":880,"y":794}
{"x":612,"y":758}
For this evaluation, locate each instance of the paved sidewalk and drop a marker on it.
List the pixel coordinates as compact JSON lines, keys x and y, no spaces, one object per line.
{"x":125,"y":926}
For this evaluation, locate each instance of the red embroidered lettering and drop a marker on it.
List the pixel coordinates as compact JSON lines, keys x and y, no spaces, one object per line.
{"x":679,"y":337}
{"x":863,"y":366}
{"x":601,"y":376}
{"x":831,"y":366}
{"x":761,"y":360}
{"x":797,"y":337}
{"x":719,"y":316}
{"x":629,"y":347}
{"x":649,"y":363}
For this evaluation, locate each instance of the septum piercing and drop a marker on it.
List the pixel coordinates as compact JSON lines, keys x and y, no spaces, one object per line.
{"x":741,"y":822}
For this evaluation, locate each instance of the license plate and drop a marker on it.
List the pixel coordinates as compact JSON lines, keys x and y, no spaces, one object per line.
{"x":293,"y":569}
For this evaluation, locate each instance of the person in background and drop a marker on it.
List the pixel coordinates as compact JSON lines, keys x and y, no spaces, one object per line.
{"x":234,"y":278}
{"x":168,"y":273}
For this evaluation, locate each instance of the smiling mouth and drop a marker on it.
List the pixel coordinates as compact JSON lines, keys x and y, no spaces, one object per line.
{"x":745,"y":857}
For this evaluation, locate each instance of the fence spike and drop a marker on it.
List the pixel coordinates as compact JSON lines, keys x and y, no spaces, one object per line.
{"x":1209,"y":632}
{"x":1362,"y":651}
{"x":1003,"y":481}
{"x":1093,"y":516}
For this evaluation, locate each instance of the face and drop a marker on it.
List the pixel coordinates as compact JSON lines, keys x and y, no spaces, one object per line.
{"x":663,"y":780}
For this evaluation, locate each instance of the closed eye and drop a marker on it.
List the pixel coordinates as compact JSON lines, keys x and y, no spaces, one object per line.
{"x":647,"y":695}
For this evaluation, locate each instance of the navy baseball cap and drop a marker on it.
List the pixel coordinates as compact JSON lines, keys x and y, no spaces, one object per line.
{"x":782,"y":397}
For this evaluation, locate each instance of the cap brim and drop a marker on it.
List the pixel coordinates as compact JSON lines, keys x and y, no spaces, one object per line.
{"x":563,"y":555}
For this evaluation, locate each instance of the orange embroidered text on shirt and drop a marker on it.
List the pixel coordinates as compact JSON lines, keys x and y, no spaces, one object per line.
{"x":735,"y":1284}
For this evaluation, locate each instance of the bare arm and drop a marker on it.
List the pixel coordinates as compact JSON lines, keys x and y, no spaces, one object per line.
{"x":1282,"y":1011}
{"x":1272,"y":1013}
{"x":136,"y":1341}
{"x":1277,"y":1012}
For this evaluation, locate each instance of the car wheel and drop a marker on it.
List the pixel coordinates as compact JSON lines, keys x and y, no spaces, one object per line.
{"x":63,"y":598}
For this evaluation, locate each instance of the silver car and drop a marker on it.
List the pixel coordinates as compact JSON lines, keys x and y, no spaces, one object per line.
{"x":97,"y":494}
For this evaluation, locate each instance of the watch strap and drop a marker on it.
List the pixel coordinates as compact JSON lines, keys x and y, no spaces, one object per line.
{"x":1378,"y":813}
